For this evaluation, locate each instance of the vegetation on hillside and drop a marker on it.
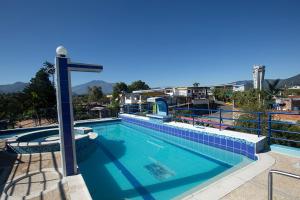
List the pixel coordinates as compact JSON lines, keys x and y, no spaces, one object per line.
{"x":37,"y":101}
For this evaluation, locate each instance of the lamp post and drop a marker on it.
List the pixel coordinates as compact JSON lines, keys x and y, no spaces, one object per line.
{"x":63,"y":67}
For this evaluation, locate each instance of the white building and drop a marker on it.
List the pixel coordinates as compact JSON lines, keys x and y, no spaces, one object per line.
{"x":196,"y":95}
{"x":258,"y":76}
{"x":132,"y":99}
{"x":140,"y":96}
{"x":193,"y":92}
{"x":238,"y":88}
{"x":295,"y":87}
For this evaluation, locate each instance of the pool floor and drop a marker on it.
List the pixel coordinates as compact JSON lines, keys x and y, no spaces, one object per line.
{"x":126,"y":163}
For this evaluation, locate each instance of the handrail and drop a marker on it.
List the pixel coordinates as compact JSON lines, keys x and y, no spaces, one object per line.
{"x":270,"y":180}
{"x":259,"y":122}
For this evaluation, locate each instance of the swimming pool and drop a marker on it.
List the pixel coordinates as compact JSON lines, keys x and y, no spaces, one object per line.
{"x":134,"y":162}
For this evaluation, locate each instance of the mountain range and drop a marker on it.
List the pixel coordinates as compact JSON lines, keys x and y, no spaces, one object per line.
{"x":77,"y":90}
{"x":14,"y":87}
{"x":108,"y":87}
{"x":289,"y":82}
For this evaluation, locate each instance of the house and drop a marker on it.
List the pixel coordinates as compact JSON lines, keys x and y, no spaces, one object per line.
{"x":173,"y":95}
{"x":291,"y":103}
{"x":296,"y":87}
{"x":192,"y":92}
{"x":140,"y":96}
{"x":238,"y":88}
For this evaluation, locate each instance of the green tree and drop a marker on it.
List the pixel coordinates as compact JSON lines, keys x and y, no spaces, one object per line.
{"x":249,"y":100}
{"x":222,"y":94}
{"x":50,"y":69}
{"x":95,"y":94}
{"x":273,"y":88}
{"x":196,"y":84}
{"x":118,"y":89}
{"x":12,"y":107}
{"x":138,"y":85}
{"x":41,"y":96}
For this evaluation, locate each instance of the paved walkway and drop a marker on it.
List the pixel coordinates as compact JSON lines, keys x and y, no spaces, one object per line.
{"x":283,"y":187}
{"x":12,"y":166}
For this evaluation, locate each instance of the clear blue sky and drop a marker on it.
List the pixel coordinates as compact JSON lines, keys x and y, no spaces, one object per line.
{"x":164,"y":43}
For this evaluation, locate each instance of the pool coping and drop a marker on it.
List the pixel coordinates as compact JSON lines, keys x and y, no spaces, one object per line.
{"x":77,"y":187}
{"x":230,"y":182}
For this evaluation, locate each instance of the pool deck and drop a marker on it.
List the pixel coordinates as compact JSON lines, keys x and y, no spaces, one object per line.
{"x":243,"y":187}
{"x":251,"y":182}
{"x":13,"y":167}
{"x":283,"y":187}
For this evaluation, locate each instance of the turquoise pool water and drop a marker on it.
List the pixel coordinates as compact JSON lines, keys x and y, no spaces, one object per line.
{"x":131,"y":162}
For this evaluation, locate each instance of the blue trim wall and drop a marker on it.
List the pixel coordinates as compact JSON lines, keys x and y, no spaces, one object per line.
{"x":235,"y":145}
{"x":65,"y":118}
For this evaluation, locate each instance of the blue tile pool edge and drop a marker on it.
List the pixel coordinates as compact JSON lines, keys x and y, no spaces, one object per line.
{"x":234,"y":145}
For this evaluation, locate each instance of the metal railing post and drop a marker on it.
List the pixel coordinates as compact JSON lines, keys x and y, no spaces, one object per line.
{"x":220,"y":120}
{"x":270,"y":180}
{"x":259,"y":124}
{"x":193,"y":120}
{"x":269,"y":128}
{"x":270,"y":186}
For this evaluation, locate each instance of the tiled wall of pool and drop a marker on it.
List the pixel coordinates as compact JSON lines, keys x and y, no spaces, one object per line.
{"x":230,"y":144}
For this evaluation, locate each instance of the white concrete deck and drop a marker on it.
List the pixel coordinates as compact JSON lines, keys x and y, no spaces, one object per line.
{"x":228,"y":183}
{"x":234,"y":134}
{"x":38,"y":176}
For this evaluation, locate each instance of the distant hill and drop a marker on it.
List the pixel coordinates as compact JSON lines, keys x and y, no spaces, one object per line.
{"x":289,"y":82}
{"x":83,"y":88}
{"x":108,"y":87}
{"x":14,"y":87}
{"x":79,"y":89}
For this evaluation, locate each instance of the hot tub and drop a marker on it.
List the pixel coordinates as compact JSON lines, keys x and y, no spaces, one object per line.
{"x":44,"y":141}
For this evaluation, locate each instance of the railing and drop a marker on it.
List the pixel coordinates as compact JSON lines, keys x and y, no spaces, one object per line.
{"x":216,"y":118}
{"x":271,"y":130}
{"x":137,"y":108}
{"x":260,"y":123}
{"x":270,"y":180}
